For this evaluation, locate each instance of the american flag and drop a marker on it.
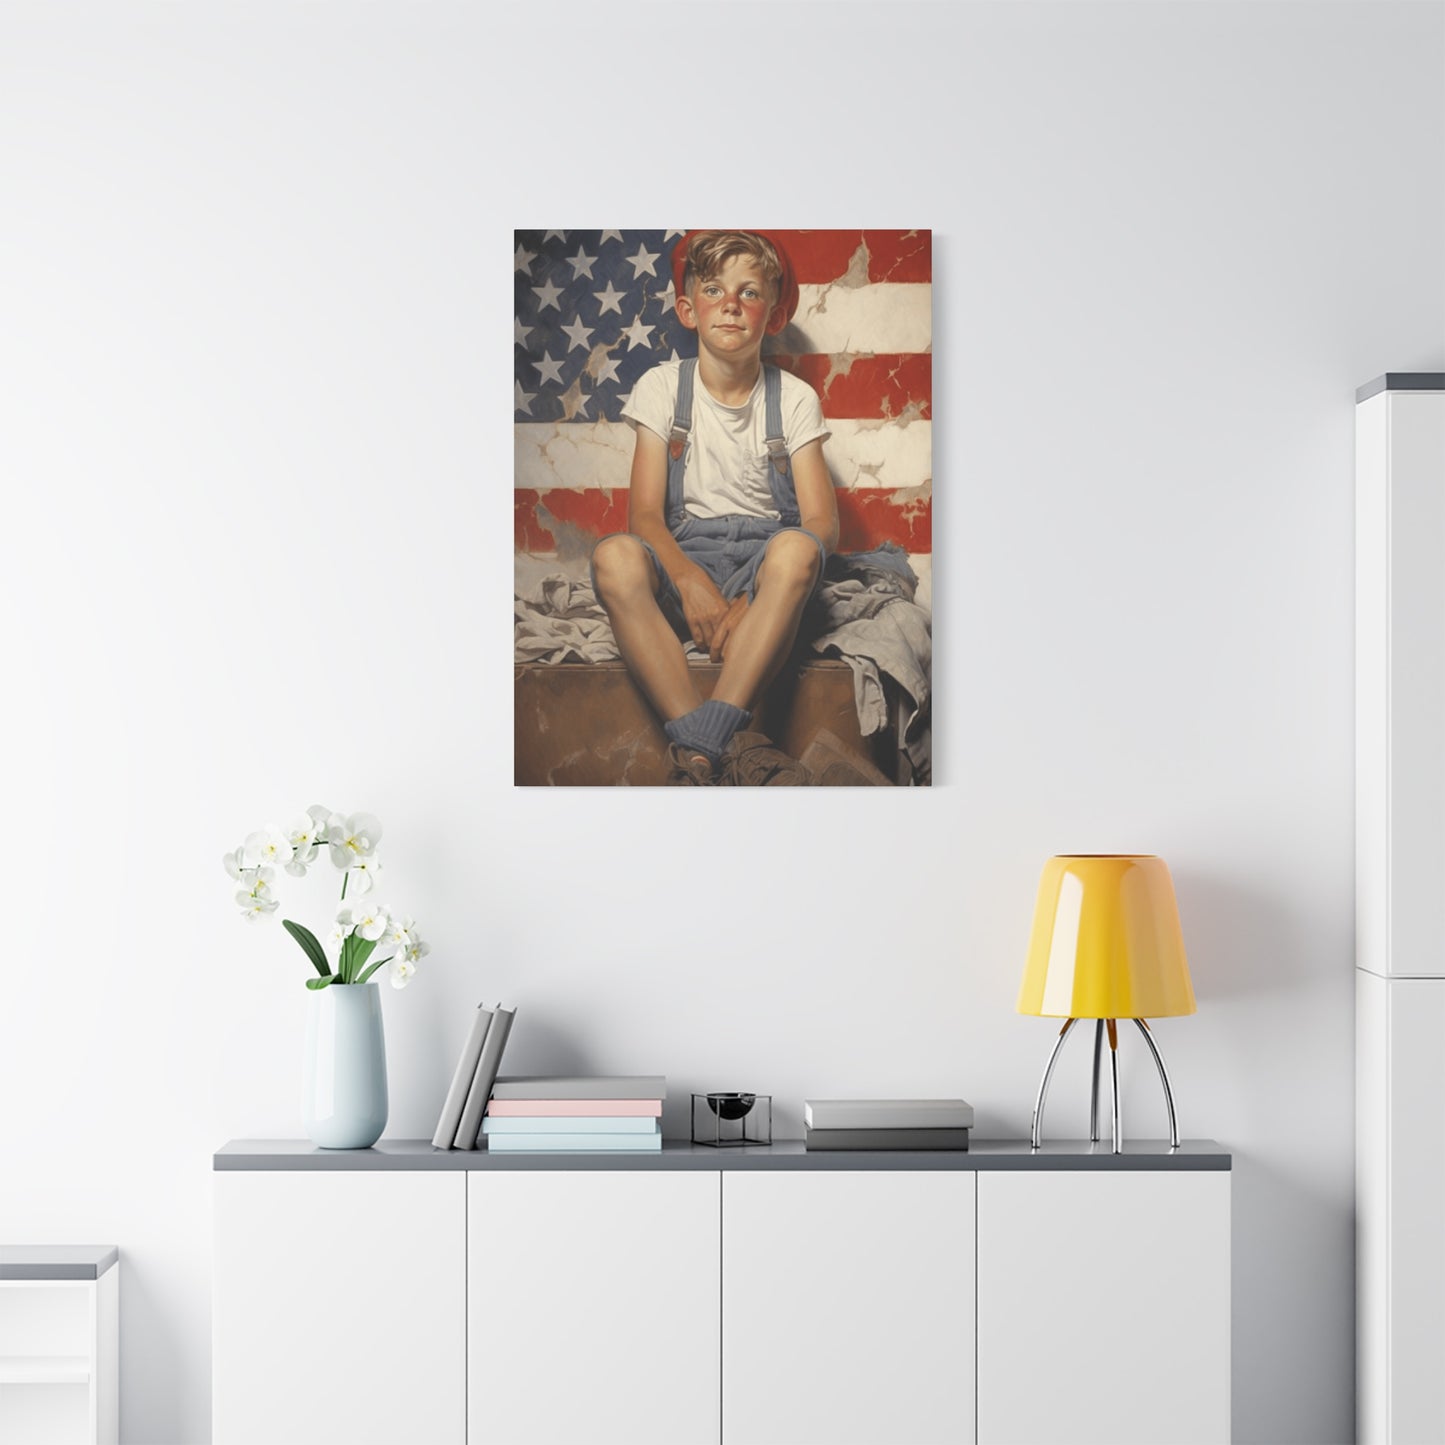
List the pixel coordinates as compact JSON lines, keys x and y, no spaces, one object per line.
{"x":594,"y":310}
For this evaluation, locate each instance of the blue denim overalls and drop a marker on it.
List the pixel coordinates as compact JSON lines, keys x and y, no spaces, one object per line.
{"x":730,"y":549}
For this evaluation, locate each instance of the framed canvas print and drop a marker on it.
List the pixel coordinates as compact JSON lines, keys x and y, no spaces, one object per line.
{"x":722,"y":504}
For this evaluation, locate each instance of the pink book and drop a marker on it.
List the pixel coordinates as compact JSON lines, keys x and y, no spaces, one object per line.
{"x":577,"y":1108}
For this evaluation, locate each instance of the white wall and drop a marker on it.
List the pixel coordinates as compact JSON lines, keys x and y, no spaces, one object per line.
{"x":253,"y":313}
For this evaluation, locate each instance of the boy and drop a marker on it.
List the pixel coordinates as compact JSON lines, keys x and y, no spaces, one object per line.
{"x":731,"y":515}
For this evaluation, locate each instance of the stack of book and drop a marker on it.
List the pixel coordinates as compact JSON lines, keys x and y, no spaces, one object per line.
{"x":460,"y":1125}
{"x":587,"y":1112}
{"x":886,"y":1123}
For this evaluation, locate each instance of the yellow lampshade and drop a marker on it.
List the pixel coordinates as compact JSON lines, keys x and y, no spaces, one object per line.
{"x":1106,"y":941}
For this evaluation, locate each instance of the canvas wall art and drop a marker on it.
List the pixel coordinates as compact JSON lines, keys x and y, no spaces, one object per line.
{"x":722,"y":502}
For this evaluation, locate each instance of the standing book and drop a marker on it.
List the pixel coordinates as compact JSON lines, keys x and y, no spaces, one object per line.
{"x":488,"y":1062}
{"x":451,"y":1116}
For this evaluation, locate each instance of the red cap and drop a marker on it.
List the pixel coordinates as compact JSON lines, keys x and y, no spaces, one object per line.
{"x":787,"y":285}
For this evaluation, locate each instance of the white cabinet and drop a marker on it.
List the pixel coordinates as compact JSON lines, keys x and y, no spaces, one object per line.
{"x":339,"y":1308}
{"x":592,"y":1308}
{"x":1400,"y":909}
{"x":706,"y":1297}
{"x":1103,"y":1308}
{"x":59,"y":1348}
{"x":847,"y":1310}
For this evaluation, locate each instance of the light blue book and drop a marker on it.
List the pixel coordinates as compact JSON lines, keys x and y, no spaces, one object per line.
{"x":575,"y":1143}
{"x":569,"y":1124}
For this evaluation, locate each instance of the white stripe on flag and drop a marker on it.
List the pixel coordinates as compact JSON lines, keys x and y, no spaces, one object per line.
{"x":888,"y":316}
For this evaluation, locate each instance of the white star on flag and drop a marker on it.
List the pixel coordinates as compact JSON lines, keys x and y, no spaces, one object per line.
{"x":573,"y":402}
{"x":668,"y":235}
{"x":547,"y":295}
{"x":578,"y":333}
{"x":616,"y":235}
{"x":520,"y":333}
{"x":522,"y":261}
{"x":610,"y":299}
{"x":547,"y":236}
{"x":606,"y":370}
{"x":637,"y":333}
{"x":581,"y":264}
{"x":551,"y":370}
{"x":523,"y":399}
{"x":642,"y":261}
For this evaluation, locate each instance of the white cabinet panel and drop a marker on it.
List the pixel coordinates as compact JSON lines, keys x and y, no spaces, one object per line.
{"x":1400,"y":1143}
{"x":593,"y":1308}
{"x":338,"y":1314}
{"x":1103,"y":1308}
{"x":1400,"y":683}
{"x":848,"y":1308}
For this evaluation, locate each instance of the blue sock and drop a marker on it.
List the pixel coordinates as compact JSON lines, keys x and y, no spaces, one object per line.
{"x":708,"y":728}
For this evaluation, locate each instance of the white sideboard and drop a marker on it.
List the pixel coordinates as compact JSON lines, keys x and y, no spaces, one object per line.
{"x":756,"y":1296}
{"x":1400,"y":908}
{"x":60,"y":1345}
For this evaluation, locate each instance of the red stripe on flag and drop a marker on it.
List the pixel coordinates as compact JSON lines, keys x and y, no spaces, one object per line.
{"x":822,"y":256}
{"x":867,"y":386}
{"x":539,"y":517}
{"x":865,"y":518}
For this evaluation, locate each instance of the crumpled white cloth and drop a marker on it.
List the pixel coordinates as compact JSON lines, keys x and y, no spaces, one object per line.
{"x":561,"y":620}
{"x":877,"y":630}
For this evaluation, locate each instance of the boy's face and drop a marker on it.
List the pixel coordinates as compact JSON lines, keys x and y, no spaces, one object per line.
{"x":730,"y":310}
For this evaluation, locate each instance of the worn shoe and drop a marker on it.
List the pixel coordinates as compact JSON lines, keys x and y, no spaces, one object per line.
{"x":689,"y":768}
{"x":751,"y":761}
{"x":831,"y":763}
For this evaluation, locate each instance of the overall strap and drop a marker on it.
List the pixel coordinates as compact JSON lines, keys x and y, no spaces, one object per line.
{"x":678,"y":439}
{"x":780,"y":466}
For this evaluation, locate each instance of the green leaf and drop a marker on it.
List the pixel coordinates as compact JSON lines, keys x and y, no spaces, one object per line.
{"x":309,"y":945}
{"x":319,"y":982}
{"x":374,"y":967}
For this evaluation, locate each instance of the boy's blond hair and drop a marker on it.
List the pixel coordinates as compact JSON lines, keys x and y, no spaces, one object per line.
{"x":709,"y":251}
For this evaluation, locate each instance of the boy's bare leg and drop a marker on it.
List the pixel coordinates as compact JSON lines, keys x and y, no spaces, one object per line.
{"x":760,"y":644}
{"x":627,"y":587}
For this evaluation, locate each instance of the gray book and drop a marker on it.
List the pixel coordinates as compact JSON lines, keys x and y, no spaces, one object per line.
{"x":888,"y":1114}
{"x":584,"y":1086}
{"x":451,"y":1116}
{"x":488,"y":1062}
{"x":885,"y":1138}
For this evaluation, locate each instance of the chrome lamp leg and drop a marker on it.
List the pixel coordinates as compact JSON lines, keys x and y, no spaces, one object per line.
{"x":1163,"y":1079}
{"x":1114,"y":1078}
{"x":1044,"y":1082}
{"x":1094,"y":1092}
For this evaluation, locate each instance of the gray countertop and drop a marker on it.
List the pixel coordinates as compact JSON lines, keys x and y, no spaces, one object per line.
{"x":290,"y":1154}
{"x":56,"y":1261}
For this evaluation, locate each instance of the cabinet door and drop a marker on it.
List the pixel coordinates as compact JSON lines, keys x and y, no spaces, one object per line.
{"x":1103,"y":1307}
{"x":339,"y":1308}
{"x":592,"y":1308}
{"x":848,"y":1308}
{"x":1399,"y":1183}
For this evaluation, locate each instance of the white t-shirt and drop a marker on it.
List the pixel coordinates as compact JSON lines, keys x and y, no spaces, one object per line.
{"x":727,"y":462}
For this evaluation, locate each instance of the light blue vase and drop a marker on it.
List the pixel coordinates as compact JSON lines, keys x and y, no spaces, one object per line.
{"x":343,"y":1102}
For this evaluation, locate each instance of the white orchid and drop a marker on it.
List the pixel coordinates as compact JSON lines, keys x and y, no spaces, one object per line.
{"x":269,"y":847}
{"x":372,"y":923}
{"x":360,"y":928}
{"x":255,"y":906}
{"x":402,"y":932}
{"x":352,"y":838}
{"x":303,"y":835}
{"x":342,"y":928}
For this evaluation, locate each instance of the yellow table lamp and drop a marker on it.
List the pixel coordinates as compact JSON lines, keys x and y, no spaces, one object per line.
{"x":1106,"y":945}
